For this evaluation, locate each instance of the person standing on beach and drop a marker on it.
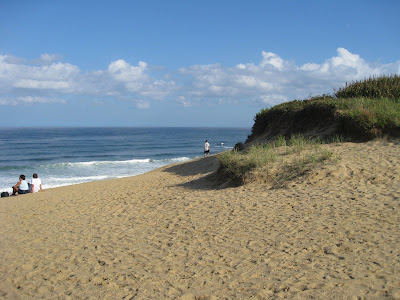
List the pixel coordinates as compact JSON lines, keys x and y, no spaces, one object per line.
{"x":36,"y":184}
{"x":206,"y":149}
{"x":21,"y":187}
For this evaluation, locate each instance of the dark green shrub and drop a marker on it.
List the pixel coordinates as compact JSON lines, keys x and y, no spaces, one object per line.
{"x":238,"y":146}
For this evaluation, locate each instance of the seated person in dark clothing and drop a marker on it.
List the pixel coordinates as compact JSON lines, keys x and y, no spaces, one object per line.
{"x":21,"y":187}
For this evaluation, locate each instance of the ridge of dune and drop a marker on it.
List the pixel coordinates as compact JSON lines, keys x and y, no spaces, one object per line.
{"x":173,"y":233}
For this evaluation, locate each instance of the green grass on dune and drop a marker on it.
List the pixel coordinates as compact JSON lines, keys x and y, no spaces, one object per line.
{"x":371,"y":113}
{"x":363,"y":109}
{"x":294,"y":156}
{"x":370,"y":107}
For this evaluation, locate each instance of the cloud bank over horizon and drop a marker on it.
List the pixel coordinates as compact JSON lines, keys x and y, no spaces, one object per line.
{"x":273,"y":80}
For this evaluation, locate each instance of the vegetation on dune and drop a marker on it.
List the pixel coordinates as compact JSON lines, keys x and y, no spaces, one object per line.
{"x":373,"y":87}
{"x":371,"y":116}
{"x":360,"y":111}
{"x":277,"y":162}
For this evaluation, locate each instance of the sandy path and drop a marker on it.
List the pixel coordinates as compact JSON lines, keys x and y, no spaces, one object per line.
{"x":169,"y":234}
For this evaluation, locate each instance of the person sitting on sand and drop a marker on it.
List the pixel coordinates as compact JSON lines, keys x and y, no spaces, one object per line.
{"x":21,"y":187}
{"x":36,"y":184}
{"x":206,"y":149}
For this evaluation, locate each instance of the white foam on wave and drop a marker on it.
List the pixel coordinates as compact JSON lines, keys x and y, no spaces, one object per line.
{"x":223,"y":147}
{"x":75,"y":179}
{"x":117,"y":162}
{"x":179,"y":159}
{"x":99,"y":162}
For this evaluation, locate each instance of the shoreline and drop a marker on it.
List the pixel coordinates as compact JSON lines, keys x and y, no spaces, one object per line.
{"x":170,"y":160}
{"x":171,"y":234}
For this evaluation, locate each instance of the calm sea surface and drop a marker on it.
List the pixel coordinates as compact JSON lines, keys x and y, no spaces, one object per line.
{"x":66,"y":156}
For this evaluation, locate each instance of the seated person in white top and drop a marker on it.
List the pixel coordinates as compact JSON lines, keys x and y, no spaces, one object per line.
{"x":21,"y":187}
{"x":36,"y":184}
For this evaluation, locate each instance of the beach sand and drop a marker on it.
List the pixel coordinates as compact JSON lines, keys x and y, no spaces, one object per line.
{"x":172,"y":234}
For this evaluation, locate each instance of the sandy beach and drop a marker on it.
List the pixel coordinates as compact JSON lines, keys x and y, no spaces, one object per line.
{"x":174,"y":234}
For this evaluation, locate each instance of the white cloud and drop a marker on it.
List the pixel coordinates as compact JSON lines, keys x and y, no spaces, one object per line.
{"x":41,"y":84}
{"x":271,"y":59}
{"x":347,"y":65}
{"x":310,"y":67}
{"x":120,"y":79}
{"x":29,"y":100}
{"x":12,"y":59}
{"x":136,"y":79}
{"x":143,"y":104}
{"x":273,"y":99}
{"x":182,"y":100}
{"x":273,"y":80}
{"x":253,"y":82}
{"x":122,"y":71}
{"x":16,"y":77}
{"x":347,"y":58}
{"x":46,"y":59}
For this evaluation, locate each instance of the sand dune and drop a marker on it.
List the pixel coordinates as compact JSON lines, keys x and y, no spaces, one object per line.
{"x":171,"y":234}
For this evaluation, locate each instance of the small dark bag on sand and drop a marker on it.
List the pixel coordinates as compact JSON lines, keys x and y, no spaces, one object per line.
{"x":5,"y":194}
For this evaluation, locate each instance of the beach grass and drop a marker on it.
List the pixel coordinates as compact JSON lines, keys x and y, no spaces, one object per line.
{"x":371,"y":113}
{"x":277,"y":162}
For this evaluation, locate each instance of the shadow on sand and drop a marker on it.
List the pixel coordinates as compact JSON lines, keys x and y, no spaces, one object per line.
{"x":196,"y":167}
{"x":207,"y":166}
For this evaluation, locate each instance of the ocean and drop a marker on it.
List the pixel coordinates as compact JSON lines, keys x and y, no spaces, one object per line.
{"x":67,"y":156}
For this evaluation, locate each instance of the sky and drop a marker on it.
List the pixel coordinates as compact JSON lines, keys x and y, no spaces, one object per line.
{"x":159,"y":63}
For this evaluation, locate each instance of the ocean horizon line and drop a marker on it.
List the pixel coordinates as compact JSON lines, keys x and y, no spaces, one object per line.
{"x":125,"y":127}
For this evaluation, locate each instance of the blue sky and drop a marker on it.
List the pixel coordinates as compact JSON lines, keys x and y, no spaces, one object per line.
{"x":183,"y":63}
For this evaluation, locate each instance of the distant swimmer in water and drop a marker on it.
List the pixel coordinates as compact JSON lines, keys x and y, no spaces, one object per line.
{"x":206,"y":149}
